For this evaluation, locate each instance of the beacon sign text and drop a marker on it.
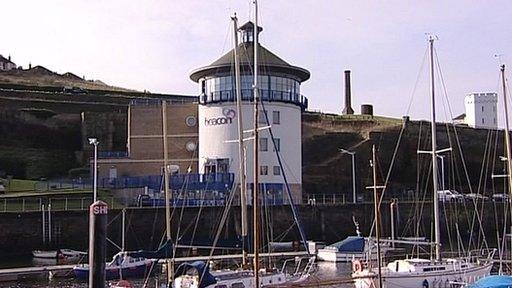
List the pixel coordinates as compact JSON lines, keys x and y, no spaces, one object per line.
{"x":227,"y":118}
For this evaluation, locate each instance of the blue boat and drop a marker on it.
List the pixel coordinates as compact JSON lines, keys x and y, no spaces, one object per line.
{"x":493,"y":281}
{"x":122,"y":266}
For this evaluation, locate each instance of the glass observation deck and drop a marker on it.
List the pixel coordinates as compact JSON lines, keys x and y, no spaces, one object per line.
{"x":272,"y":88}
{"x":247,"y":95}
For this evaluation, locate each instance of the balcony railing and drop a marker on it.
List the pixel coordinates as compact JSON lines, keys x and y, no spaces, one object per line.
{"x":247,"y":95}
{"x":112,"y":154}
{"x":191,"y":181}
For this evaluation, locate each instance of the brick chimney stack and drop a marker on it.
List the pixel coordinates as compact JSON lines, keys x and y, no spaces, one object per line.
{"x":348,"y":95}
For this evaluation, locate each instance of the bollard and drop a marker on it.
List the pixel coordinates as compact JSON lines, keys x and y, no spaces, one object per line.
{"x":98,"y":218}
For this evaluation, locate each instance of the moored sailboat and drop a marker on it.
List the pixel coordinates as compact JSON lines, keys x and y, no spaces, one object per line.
{"x":418,"y":272}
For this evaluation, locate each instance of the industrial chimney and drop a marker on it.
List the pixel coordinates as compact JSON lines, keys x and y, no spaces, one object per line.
{"x":348,"y":95}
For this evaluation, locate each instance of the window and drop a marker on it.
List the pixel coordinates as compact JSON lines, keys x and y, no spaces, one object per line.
{"x":433,"y":269}
{"x":482,"y":108}
{"x":277,"y":170}
{"x":191,"y":146}
{"x":263,"y":144}
{"x":262,"y":119}
{"x":276,"y":117}
{"x":223,"y":165}
{"x":277,"y":146}
{"x":191,"y":121}
{"x":263,"y":170}
{"x":483,"y":121}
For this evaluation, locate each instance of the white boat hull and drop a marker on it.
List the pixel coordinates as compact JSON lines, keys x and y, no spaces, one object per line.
{"x":61,"y":254}
{"x":44,"y":254}
{"x":332,"y":255}
{"x":419,"y":279}
{"x":237,"y":279}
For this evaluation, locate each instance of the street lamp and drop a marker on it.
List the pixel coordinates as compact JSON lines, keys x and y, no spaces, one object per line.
{"x":353,"y":154}
{"x":94,"y":141}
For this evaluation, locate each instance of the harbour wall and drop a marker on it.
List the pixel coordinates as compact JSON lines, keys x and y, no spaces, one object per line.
{"x":21,"y":233}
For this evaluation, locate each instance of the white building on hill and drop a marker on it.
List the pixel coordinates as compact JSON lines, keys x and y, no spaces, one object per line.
{"x":481,"y":111}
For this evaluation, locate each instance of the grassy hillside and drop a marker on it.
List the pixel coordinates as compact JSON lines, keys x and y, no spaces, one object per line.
{"x":41,"y":76}
{"x":327,"y":171}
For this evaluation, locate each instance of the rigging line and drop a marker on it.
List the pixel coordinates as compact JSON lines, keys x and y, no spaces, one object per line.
{"x":201,"y":193}
{"x":174,"y":206}
{"x":228,"y":35}
{"x":483,"y":177}
{"x":454,"y":127}
{"x":285,"y":232}
{"x":114,"y":218}
{"x":455,"y":206}
{"x":155,"y":215}
{"x":508,"y":89}
{"x":417,"y":189}
{"x":501,"y":243}
{"x":184,"y":190}
{"x":475,"y":200}
{"x":288,"y":190}
{"x":489,"y":155}
{"x":457,"y":138}
{"x":427,"y":169}
{"x":265,"y":220}
{"x":448,"y":222}
{"x":418,"y":77}
{"x":390,"y":169}
{"x":221,"y":224}
{"x":197,"y":220}
{"x":219,"y":230}
{"x":226,"y":211}
{"x":280,"y":161}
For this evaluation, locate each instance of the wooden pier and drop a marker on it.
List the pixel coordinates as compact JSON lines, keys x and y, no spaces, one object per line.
{"x":16,"y":274}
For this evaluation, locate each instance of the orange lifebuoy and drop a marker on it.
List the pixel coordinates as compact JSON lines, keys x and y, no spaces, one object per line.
{"x":123,"y":284}
{"x":357,"y":266}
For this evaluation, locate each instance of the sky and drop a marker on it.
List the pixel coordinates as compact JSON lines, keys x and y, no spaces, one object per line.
{"x":154,"y":45}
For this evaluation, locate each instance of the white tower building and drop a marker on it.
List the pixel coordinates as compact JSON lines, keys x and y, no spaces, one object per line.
{"x":481,"y":110}
{"x":279,"y":84}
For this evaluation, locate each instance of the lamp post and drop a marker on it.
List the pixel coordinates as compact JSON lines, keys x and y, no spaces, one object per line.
{"x":94,"y":141}
{"x":353,"y":154}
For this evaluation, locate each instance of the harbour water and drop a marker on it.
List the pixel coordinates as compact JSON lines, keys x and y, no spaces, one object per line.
{"x":326,"y":271}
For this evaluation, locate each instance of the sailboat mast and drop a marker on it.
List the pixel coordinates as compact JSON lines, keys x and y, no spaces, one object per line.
{"x":507,"y":134}
{"x":434,"y":154}
{"x":243,"y":187}
{"x":255,"y":208}
{"x":376,"y":201}
{"x":123,"y":230}
{"x":166,"y":187}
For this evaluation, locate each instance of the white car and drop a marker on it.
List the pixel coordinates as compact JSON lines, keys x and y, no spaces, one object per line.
{"x":476,"y":196}
{"x":450,"y":196}
{"x":500,"y":197}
